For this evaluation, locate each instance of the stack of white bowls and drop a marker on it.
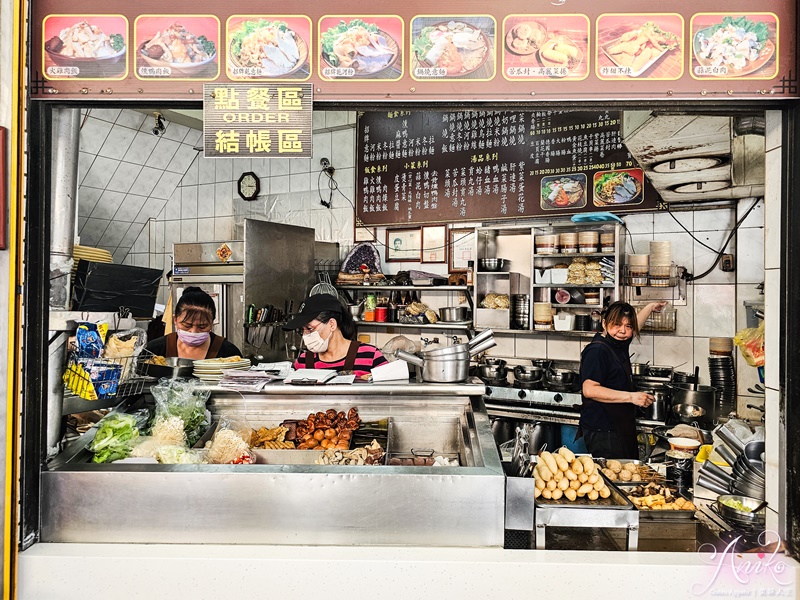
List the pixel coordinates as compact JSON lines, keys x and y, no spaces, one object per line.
{"x":588,"y":242}
{"x":638,"y":265}
{"x":660,"y":259}
{"x":568,"y":243}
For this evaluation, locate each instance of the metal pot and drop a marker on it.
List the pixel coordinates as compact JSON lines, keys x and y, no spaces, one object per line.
{"x":640,"y":369}
{"x":542,"y":363}
{"x":657,"y":411}
{"x":495,"y":362}
{"x":439,"y":370}
{"x":658,"y":371}
{"x":453,"y":314}
{"x":688,"y":413}
{"x":740,"y":516}
{"x":489,"y":371}
{"x":561,"y":377}
{"x":688,"y":393}
{"x":528,"y":374}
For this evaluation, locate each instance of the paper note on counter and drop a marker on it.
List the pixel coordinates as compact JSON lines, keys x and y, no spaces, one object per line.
{"x":397,"y":369}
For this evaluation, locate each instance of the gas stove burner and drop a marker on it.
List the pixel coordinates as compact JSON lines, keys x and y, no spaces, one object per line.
{"x":499,"y":382}
{"x":528,"y":385}
{"x":561,"y":387}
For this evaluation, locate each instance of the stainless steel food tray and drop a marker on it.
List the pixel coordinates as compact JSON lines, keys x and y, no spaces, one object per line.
{"x":651,"y":473}
{"x":616,"y":501}
{"x":657,"y":515}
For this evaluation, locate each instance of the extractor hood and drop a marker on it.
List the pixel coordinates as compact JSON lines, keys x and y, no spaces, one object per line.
{"x":697,"y":158}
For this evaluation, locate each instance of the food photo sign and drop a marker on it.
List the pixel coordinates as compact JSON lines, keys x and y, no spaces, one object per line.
{"x":468,"y":51}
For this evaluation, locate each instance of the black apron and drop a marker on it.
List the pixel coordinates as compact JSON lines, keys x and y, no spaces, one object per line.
{"x":172,"y":346}
{"x":349,"y":360}
{"x":624,"y":421}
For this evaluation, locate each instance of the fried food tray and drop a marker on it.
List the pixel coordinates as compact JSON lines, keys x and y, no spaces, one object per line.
{"x":617,"y":501}
{"x":657,"y":515}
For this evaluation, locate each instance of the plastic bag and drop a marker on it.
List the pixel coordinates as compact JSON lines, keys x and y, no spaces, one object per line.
{"x":182,"y":398}
{"x":126,"y":346}
{"x":399,"y":342}
{"x":116,"y":435}
{"x":751,"y":344}
{"x":231,"y":441}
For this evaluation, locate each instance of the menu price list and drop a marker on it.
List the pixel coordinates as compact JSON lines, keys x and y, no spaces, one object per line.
{"x":416,"y":167}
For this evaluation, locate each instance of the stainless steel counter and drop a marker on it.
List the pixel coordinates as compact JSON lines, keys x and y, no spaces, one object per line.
{"x":294,"y":504}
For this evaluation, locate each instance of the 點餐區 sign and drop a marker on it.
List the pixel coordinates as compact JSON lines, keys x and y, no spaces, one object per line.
{"x":258,"y":120}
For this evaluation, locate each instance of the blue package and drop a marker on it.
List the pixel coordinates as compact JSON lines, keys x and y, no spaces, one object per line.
{"x":90,"y":338}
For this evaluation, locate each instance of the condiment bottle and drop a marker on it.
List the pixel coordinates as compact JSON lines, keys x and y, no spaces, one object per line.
{"x":369,"y":307}
{"x":391,"y":316}
{"x":470,"y":271}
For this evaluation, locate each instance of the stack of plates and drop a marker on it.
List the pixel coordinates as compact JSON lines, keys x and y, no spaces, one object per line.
{"x":660,"y":258}
{"x":211,"y":370}
{"x":88,"y":253}
{"x":723,"y":378}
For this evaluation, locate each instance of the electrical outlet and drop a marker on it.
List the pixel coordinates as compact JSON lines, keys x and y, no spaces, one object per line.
{"x":324,"y":163}
{"x":728,"y":263}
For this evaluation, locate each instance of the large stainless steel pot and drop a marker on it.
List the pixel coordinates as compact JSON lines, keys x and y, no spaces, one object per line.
{"x":470,"y":349}
{"x":439,"y":370}
{"x":685,"y":393}
{"x":448,"y":368}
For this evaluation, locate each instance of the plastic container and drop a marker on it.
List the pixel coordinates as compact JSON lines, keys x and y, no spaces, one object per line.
{"x":558,"y":276}
{"x":564,"y":322}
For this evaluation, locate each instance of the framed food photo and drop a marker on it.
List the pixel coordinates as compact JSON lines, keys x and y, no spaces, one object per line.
{"x":404,"y":245}
{"x":434,"y":245}
{"x":462,"y":249}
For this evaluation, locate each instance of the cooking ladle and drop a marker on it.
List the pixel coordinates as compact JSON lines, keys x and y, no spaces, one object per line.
{"x":760,"y":507}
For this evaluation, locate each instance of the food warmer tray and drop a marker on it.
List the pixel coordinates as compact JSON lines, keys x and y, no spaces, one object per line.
{"x":616,"y":501}
{"x":658,"y":515}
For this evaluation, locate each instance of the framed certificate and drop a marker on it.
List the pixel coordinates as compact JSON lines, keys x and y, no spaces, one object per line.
{"x":404,"y":245}
{"x":462,"y":249}
{"x":434,"y":246}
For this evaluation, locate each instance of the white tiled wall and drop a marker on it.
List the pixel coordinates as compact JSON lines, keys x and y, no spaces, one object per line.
{"x":126,"y":175}
{"x":205,"y":206}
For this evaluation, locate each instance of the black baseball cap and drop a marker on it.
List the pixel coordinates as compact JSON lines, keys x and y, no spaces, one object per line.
{"x":311,"y":308}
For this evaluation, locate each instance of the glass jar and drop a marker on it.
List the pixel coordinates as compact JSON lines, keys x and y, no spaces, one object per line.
{"x":370,"y":302}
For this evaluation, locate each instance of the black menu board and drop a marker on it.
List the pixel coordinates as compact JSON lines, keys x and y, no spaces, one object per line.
{"x":424,"y":167}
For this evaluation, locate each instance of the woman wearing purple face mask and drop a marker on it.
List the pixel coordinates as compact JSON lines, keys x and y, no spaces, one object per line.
{"x":193,"y":319}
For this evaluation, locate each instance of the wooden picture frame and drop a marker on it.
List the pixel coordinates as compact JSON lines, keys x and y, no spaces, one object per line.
{"x":363,"y":233}
{"x":404,"y":245}
{"x":462,"y":249}
{"x":434,"y":244}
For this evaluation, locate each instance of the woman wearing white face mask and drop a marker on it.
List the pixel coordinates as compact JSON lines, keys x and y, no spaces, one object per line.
{"x":194,"y":316}
{"x":329,"y":337}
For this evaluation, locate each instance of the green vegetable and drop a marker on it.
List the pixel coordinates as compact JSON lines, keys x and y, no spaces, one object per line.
{"x":208,"y":45}
{"x":735,"y":504}
{"x":181,"y":398}
{"x":117,"y":41}
{"x":330,"y":36}
{"x":249,"y":27}
{"x":423,"y":43}
{"x":114,"y":437}
{"x":758,"y":27}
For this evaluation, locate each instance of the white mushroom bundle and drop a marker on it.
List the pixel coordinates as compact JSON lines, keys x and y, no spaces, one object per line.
{"x":562,"y":474}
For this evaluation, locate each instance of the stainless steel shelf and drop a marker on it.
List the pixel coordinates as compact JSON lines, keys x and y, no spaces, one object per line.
{"x":434,"y":288}
{"x":585,"y":254}
{"x":574,"y":285}
{"x":459,"y":326}
{"x":571,"y":333}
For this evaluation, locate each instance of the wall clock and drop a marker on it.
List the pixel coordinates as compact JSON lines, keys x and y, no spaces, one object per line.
{"x":249,"y":186}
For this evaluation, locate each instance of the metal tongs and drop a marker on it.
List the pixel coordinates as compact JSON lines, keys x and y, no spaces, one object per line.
{"x":521,"y":458}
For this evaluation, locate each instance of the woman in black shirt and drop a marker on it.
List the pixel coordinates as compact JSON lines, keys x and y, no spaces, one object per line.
{"x":610,"y":400}
{"x":194,"y":316}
